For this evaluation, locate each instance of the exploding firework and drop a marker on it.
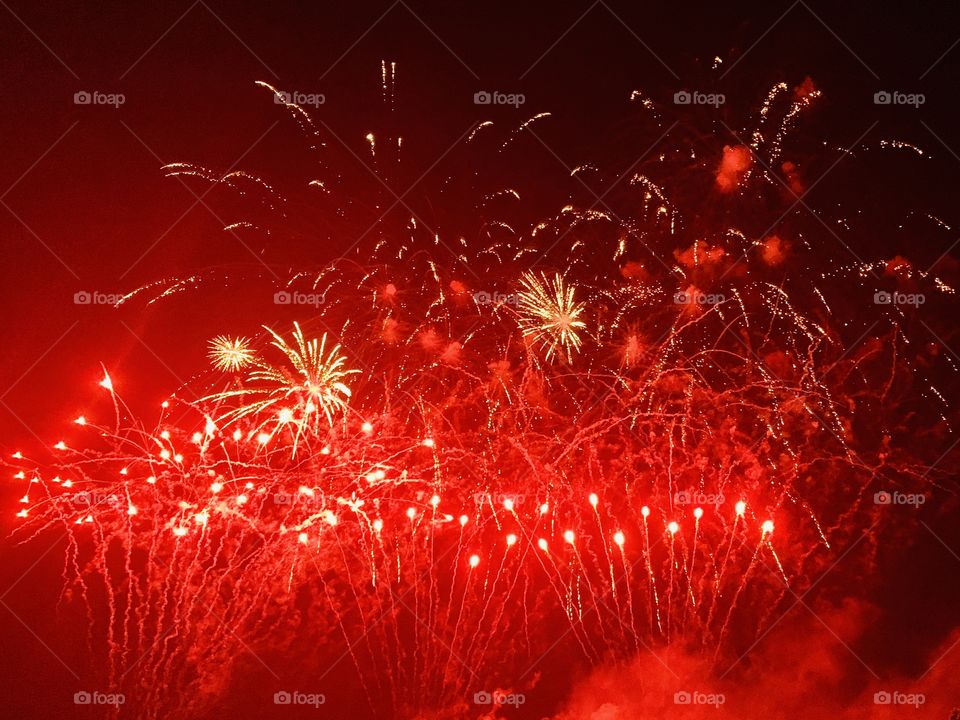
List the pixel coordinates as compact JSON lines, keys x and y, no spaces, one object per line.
{"x":636,"y":452}
{"x":230,"y":354}
{"x":307,"y":390}
{"x":549,"y":314}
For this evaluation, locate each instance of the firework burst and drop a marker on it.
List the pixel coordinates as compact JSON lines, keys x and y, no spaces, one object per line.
{"x":550,"y":315}
{"x":300,"y":394}
{"x":230,"y":354}
{"x":456,"y":502}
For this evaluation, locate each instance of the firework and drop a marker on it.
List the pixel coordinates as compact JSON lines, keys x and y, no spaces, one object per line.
{"x":302,"y":393}
{"x":447,"y":482}
{"x":549,"y":314}
{"x":230,"y":354}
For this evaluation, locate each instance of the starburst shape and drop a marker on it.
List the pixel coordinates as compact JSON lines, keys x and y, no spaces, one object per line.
{"x":549,"y":313}
{"x":230,"y":354}
{"x":295,"y":394}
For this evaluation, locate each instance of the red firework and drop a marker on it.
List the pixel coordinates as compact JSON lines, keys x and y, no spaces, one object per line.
{"x":451,"y":456}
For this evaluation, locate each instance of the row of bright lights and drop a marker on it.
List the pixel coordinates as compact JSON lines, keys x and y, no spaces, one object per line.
{"x":216,"y":487}
{"x":672,"y":527}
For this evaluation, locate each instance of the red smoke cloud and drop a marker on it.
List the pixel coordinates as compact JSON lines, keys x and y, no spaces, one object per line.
{"x":806,"y":668}
{"x":736,"y":160}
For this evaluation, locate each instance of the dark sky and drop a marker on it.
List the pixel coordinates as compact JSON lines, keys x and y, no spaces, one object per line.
{"x":85,"y":206}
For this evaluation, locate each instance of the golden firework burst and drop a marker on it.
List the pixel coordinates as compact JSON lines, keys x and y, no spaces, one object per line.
{"x":549,"y":313}
{"x":297,"y":393}
{"x":230,"y":354}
